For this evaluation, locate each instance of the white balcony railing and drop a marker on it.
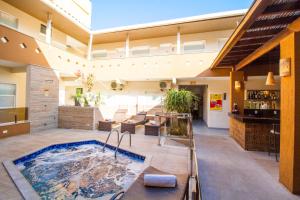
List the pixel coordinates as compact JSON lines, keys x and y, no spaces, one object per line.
{"x":9,"y":20}
{"x":150,"y":52}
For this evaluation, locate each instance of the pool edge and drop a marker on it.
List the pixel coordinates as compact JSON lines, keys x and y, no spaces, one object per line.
{"x":23,"y":186}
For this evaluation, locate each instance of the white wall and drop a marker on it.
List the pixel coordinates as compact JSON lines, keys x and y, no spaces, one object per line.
{"x":218,"y":119}
{"x":205,"y":105}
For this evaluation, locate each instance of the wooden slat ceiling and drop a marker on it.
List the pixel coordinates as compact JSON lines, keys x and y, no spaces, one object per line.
{"x":276,"y":16}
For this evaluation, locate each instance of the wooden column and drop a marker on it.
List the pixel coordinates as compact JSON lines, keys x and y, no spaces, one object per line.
{"x":289,"y":167}
{"x":237,"y":95}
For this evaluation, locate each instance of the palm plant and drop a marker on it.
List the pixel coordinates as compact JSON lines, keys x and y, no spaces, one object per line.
{"x":179,"y":101}
{"x":78,"y":97}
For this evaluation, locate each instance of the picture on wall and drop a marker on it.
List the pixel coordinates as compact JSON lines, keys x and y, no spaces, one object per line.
{"x":216,"y":102}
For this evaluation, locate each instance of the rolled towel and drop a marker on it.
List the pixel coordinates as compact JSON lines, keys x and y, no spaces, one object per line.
{"x":156,"y":180}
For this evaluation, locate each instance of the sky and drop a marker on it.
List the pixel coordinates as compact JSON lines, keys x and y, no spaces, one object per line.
{"x":115,"y":13}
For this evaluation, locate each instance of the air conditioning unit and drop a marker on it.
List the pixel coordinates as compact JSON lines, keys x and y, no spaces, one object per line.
{"x":164,"y":85}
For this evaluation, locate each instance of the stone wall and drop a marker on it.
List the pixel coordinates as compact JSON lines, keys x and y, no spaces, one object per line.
{"x":42,"y":98}
{"x":76,"y":117}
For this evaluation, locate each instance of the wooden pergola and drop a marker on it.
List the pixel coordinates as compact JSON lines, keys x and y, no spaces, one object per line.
{"x":269,"y":32}
{"x":258,"y":35}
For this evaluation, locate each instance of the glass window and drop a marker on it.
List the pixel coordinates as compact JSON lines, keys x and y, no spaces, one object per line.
{"x":194,"y":46}
{"x":8,"y":20}
{"x":43,"y":29}
{"x":7,"y":95}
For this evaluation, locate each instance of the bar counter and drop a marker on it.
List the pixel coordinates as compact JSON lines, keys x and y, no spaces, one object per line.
{"x":252,"y":132}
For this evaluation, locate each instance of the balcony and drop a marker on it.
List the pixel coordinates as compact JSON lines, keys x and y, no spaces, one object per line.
{"x":154,"y":67}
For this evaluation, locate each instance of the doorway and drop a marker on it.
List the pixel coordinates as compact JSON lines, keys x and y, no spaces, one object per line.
{"x":198,"y":106}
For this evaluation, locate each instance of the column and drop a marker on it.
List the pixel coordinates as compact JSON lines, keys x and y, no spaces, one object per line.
{"x":90,"y":46}
{"x":289,"y":166}
{"x":127,"y":46}
{"x":178,"y":42}
{"x":237,"y":94}
{"x":49,"y":29}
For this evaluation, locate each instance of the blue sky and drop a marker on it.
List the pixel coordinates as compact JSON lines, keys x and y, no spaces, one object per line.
{"x":114,"y":13}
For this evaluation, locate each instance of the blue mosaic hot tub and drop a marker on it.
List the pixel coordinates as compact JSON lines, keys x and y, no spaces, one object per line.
{"x":80,"y":170}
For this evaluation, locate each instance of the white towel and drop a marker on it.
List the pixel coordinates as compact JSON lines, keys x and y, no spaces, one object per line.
{"x":156,"y":180}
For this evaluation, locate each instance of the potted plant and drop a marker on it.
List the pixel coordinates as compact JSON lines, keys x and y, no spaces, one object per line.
{"x":179,"y":101}
{"x":77,"y":99}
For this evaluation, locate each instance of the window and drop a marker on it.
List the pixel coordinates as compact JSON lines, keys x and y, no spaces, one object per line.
{"x":100,"y":54}
{"x":194,"y":46}
{"x":140,"y":51}
{"x":43,"y":29}
{"x":8,"y":20}
{"x":7,"y":95}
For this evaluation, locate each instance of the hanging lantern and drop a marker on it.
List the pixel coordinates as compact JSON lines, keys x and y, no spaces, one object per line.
{"x":270,"y":79}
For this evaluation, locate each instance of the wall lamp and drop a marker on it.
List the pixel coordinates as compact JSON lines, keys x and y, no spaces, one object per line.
{"x":237,"y":85}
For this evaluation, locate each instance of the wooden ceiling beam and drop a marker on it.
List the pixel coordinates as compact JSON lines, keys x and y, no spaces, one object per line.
{"x":256,"y":9}
{"x":262,"y":32}
{"x":271,"y":44}
{"x":274,"y":22}
{"x":288,"y":6}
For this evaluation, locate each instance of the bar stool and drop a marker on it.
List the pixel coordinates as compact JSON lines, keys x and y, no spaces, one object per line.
{"x":274,"y":138}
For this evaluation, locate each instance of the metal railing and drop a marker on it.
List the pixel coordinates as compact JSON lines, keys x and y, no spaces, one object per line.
{"x":194,"y":190}
{"x":117,"y":148}
{"x":112,"y":131}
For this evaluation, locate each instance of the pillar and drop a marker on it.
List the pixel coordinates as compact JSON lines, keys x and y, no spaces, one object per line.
{"x":178,"y":42}
{"x":90,"y":46}
{"x":49,"y":29}
{"x":289,"y":166}
{"x":127,"y":46}
{"x":237,"y":95}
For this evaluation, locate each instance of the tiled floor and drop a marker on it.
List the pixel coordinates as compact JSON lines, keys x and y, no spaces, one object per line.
{"x":165,"y":158}
{"x":227,"y":172}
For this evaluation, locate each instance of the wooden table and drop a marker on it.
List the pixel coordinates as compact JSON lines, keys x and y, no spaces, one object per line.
{"x":105,"y":125}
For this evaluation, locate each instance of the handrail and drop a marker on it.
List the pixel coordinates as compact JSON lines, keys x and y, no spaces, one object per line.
{"x":115,"y":196}
{"x":117,"y":148}
{"x":113,"y":130}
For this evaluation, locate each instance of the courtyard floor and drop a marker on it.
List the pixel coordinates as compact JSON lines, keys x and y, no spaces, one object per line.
{"x":171,"y":158}
{"x":227,"y":172}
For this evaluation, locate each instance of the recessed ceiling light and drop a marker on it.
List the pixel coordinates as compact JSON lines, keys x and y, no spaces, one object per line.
{"x":4,"y":39}
{"x":23,"y":46}
{"x":37,"y":50}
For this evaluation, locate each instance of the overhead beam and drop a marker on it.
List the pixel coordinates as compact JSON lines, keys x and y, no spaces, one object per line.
{"x":271,"y":44}
{"x":256,"y":9}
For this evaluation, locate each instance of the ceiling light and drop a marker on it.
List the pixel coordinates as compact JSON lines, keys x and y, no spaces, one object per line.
{"x":23,"y":46}
{"x":37,"y":50}
{"x":4,"y":40}
{"x":270,"y":79}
